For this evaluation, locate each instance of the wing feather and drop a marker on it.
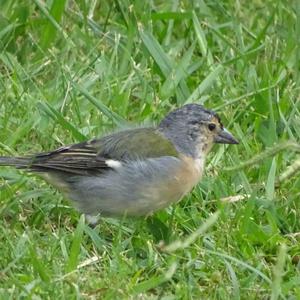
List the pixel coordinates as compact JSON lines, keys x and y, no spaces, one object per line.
{"x":89,"y":158}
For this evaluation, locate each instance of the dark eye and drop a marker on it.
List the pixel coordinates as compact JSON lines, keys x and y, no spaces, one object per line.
{"x":211,"y":126}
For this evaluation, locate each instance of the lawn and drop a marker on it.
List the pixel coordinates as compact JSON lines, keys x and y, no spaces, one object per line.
{"x":73,"y":70}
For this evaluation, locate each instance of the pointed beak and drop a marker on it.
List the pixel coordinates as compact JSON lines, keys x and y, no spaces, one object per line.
{"x":225,"y":137}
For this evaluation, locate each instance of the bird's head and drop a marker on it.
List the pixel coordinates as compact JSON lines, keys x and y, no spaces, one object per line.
{"x":193,"y":130}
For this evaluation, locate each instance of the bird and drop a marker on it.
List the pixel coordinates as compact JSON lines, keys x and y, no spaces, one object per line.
{"x":132,"y":172}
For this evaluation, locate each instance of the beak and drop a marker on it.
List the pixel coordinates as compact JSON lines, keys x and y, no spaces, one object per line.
{"x":225,"y":137}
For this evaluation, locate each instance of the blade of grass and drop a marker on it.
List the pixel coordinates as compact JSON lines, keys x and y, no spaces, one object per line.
{"x":38,"y":265}
{"x":177,"y":74}
{"x":297,"y":38}
{"x":234,"y":280}
{"x":154,"y":281}
{"x":117,"y":119}
{"x":56,"y":11}
{"x":7,"y":30}
{"x":202,"y":40}
{"x":240,"y":263}
{"x":192,"y":237}
{"x":156,"y":51}
{"x":278,"y":272}
{"x":97,"y":241}
{"x":171,"y":15}
{"x":266,"y":154}
{"x":164,"y":62}
{"x":52,"y":20}
{"x":169,"y":33}
{"x":263,"y":32}
{"x":58,"y":118}
{"x":205,"y":84}
{"x":75,"y":247}
{"x":270,"y":185}
{"x":20,"y":132}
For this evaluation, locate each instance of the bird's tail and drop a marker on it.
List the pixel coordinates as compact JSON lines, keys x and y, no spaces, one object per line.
{"x":18,"y":162}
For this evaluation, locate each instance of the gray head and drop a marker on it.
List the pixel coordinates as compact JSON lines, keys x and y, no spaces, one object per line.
{"x":193,"y":130}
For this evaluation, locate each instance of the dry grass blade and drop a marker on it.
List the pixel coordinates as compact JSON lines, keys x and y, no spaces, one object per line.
{"x":193,"y":236}
{"x":266,"y":154}
{"x":290,"y":172}
{"x":236,"y":198}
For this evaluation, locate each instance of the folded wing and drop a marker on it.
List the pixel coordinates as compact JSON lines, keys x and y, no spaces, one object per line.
{"x":99,"y":155}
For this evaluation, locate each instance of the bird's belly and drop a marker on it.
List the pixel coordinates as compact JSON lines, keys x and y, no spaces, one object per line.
{"x":137,"y":191}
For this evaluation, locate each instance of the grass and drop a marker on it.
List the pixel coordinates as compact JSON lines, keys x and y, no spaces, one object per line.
{"x":72,"y":70}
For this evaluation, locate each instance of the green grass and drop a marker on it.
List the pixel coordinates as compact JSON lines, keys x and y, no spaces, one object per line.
{"x":72,"y":70}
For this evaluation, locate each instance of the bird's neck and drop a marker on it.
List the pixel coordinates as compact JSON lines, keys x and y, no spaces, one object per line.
{"x":182,"y":142}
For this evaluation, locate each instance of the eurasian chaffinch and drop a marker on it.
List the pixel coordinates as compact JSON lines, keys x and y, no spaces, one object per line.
{"x":135,"y":171}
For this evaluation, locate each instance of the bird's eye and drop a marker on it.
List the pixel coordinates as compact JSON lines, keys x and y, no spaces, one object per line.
{"x":211,"y":126}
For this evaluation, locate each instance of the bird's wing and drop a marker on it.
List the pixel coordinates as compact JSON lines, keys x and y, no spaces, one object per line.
{"x":96,"y":156}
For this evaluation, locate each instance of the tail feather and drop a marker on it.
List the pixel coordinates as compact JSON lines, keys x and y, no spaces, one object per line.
{"x":18,"y":162}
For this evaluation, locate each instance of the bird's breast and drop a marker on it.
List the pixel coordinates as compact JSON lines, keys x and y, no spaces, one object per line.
{"x":190,"y":172}
{"x":161,"y":192}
